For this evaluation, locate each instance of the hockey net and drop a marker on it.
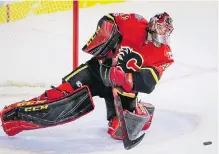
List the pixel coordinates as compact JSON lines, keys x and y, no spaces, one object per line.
{"x":39,"y":39}
{"x":35,"y":36}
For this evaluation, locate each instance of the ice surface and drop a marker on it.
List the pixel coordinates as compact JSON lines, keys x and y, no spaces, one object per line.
{"x":38,"y":50}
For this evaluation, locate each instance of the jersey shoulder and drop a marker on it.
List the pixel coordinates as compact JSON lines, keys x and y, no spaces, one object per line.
{"x":132,"y":27}
{"x":169,"y":53}
{"x":159,"y":58}
{"x":120,"y":17}
{"x":156,"y":55}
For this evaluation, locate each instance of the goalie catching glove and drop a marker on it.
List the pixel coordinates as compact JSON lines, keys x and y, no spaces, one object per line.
{"x":114,"y":77}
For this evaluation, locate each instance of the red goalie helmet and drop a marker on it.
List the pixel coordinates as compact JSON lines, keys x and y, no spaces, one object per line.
{"x":160,"y":27}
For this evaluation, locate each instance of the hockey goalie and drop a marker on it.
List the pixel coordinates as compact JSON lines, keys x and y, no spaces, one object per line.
{"x":129,"y":53}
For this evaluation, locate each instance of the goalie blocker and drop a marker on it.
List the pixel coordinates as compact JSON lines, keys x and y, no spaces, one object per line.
{"x":28,"y":115}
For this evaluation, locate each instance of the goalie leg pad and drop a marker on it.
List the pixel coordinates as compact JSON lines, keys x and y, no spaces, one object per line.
{"x":40,"y":114}
{"x":150,"y":108}
{"x":141,"y":120}
{"x":134,"y":124}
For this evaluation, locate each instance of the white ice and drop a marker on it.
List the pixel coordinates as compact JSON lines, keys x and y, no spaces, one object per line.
{"x":37,"y":52}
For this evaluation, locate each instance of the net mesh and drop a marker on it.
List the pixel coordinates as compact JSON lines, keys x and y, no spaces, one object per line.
{"x":13,"y":11}
{"x":32,"y":34}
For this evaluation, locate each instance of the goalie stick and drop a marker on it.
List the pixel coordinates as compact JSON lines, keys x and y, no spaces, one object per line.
{"x":127,"y":142}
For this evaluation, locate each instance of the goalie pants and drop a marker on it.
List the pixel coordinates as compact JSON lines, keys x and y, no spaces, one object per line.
{"x":88,"y":74}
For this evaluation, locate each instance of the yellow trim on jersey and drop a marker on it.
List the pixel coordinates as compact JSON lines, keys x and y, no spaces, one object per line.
{"x":152,"y":72}
{"x":131,"y":95}
{"x":109,"y":16}
{"x":75,"y":72}
{"x":136,"y":102}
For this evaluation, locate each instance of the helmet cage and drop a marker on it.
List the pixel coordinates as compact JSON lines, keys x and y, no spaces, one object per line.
{"x":160,"y":27}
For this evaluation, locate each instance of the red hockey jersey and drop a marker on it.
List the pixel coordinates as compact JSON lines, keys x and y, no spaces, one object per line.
{"x":134,"y":53}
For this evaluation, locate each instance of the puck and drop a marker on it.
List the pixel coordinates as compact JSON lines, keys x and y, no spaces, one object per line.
{"x":207,"y":143}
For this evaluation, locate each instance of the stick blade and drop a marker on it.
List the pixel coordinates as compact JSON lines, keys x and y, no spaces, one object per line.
{"x":129,"y":144}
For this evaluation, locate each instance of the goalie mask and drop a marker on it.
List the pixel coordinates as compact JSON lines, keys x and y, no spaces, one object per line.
{"x":159,"y":29}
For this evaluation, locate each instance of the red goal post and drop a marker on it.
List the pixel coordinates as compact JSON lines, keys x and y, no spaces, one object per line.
{"x":76,"y":25}
{"x":75,"y":33}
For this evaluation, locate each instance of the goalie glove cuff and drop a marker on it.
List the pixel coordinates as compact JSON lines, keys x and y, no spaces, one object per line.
{"x":113,"y":76}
